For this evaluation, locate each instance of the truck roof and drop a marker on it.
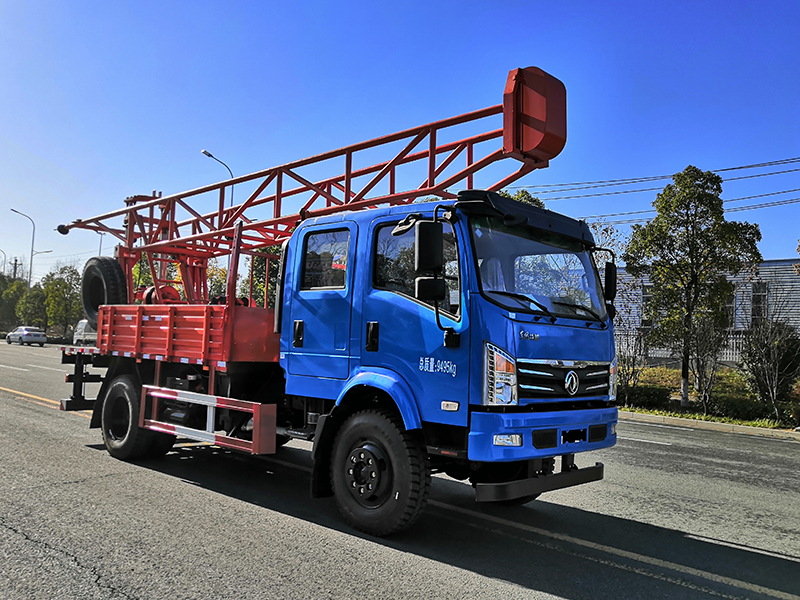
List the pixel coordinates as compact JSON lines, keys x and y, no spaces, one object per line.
{"x":480,"y":202}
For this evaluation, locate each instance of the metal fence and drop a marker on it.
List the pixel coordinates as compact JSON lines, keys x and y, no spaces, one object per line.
{"x":635,"y":342}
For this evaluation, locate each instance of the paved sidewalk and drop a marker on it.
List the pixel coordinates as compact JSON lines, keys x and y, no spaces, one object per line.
{"x":785,"y":434}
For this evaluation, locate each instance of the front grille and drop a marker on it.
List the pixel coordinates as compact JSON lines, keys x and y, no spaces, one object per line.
{"x":543,"y":379}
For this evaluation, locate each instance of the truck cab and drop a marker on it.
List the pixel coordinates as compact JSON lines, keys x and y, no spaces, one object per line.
{"x":507,"y":365}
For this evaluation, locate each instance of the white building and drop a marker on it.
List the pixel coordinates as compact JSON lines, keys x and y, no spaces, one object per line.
{"x":772,"y":292}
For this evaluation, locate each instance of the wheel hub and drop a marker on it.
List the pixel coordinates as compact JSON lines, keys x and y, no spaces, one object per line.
{"x":366,"y":474}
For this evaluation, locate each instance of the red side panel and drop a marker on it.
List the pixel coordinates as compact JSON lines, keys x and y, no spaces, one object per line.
{"x":534,"y":115}
{"x":188,"y":333}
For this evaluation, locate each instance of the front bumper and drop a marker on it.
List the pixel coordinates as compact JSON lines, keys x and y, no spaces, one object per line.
{"x":494,"y":492}
{"x":543,"y":434}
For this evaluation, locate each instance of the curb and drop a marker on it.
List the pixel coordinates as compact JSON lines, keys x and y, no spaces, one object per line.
{"x":782,"y":434}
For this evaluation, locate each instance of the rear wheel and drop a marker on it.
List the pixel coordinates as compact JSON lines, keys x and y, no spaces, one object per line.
{"x":379,"y":473}
{"x":119,"y":424}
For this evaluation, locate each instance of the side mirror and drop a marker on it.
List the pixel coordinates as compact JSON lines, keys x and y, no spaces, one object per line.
{"x":428,"y":246}
{"x":610,"y":284}
{"x":430,"y":288}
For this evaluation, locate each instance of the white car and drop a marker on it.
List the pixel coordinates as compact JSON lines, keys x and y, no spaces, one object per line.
{"x":27,"y":335}
{"x":84,"y":334}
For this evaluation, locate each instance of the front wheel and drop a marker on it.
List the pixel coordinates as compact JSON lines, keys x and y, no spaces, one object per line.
{"x":379,"y":472}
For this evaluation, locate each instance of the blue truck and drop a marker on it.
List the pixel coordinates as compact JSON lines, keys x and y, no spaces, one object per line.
{"x":469,"y":334}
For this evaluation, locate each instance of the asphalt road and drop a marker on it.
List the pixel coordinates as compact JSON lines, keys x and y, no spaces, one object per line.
{"x":681,"y":513}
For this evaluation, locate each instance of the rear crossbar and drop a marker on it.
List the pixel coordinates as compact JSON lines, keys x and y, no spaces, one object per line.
{"x":264,"y":419}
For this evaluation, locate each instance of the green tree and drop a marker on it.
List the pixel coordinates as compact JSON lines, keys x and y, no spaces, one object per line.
{"x":217,"y":278}
{"x":260,"y":277}
{"x":523,"y":196}
{"x":13,"y":292}
{"x":31,"y":309}
{"x":686,"y":251}
{"x":630,"y":339}
{"x":142,"y":277}
{"x":771,"y":361}
{"x":62,"y":289}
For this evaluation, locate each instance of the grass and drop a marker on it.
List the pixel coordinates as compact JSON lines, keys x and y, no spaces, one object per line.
{"x":699,"y":416}
{"x":732,"y":401}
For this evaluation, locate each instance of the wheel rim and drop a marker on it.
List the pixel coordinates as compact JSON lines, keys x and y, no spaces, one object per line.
{"x":119,"y":421}
{"x":368,"y":474}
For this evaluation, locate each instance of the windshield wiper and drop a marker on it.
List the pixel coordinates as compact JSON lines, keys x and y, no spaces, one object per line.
{"x":579,"y":307}
{"x":524,"y":298}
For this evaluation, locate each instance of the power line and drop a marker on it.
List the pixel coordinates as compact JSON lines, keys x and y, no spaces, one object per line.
{"x":640,"y":212}
{"x":632,"y":180}
{"x":734,"y":209}
{"x":638,"y":190}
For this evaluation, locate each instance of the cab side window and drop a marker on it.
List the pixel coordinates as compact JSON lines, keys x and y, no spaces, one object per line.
{"x":394,"y":266}
{"x":325,"y":260}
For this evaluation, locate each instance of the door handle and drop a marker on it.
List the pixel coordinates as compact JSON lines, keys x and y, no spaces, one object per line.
{"x":372,"y":337}
{"x":297,"y":340}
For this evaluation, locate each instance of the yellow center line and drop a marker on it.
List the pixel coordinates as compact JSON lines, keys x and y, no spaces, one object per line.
{"x":49,"y":402}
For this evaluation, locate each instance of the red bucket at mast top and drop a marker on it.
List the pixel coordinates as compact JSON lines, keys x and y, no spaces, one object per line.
{"x":534,"y":115}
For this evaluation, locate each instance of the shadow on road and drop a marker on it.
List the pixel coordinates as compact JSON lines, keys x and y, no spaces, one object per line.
{"x":542,"y":546}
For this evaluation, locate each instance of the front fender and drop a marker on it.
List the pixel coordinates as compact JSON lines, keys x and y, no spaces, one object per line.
{"x":391,"y":383}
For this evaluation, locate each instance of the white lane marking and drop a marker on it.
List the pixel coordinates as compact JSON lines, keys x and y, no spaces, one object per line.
{"x":44,"y":355}
{"x":657,"y":425}
{"x":609,"y":549}
{"x":48,"y":368}
{"x":769,"y":553}
{"x":656,"y":562}
{"x":619,"y":437}
{"x":14,"y":368}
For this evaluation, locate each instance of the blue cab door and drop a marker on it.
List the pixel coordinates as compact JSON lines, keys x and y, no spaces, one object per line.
{"x":400,"y":334}
{"x":320,"y":312}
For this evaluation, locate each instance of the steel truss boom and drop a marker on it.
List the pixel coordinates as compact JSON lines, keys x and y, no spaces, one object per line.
{"x":169,"y":228}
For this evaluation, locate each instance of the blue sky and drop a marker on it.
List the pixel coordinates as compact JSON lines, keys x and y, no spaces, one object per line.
{"x":103,"y":100}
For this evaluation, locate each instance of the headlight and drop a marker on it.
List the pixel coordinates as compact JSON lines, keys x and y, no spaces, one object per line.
{"x":500,"y":377}
{"x":612,"y":380}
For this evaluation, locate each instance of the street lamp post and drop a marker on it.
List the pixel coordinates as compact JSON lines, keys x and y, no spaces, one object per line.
{"x":33,"y":237}
{"x":209,"y":155}
{"x":100,"y":250}
{"x":4,"y":262}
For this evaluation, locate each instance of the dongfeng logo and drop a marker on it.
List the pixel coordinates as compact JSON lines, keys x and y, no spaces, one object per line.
{"x":525,"y":335}
{"x":571,"y":383}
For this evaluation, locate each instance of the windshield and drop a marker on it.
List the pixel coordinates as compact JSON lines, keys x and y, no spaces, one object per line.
{"x":527,"y":270}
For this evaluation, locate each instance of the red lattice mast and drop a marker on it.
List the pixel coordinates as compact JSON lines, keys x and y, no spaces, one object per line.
{"x":169,"y":229}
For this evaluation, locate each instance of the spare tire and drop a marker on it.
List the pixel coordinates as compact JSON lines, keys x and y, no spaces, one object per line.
{"x":103,"y":283}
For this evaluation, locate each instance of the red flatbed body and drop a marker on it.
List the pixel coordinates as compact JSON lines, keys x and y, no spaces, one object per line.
{"x":211,"y":335}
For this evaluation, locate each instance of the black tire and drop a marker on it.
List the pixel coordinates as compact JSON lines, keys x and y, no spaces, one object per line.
{"x":391,"y":497}
{"x":103,"y":282}
{"x":21,"y":343}
{"x":41,"y":345}
{"x":119,"y":423}
{"x":8,"y":341}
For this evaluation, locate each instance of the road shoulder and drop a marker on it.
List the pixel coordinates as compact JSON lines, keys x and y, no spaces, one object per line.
{"x":784,"y":434}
